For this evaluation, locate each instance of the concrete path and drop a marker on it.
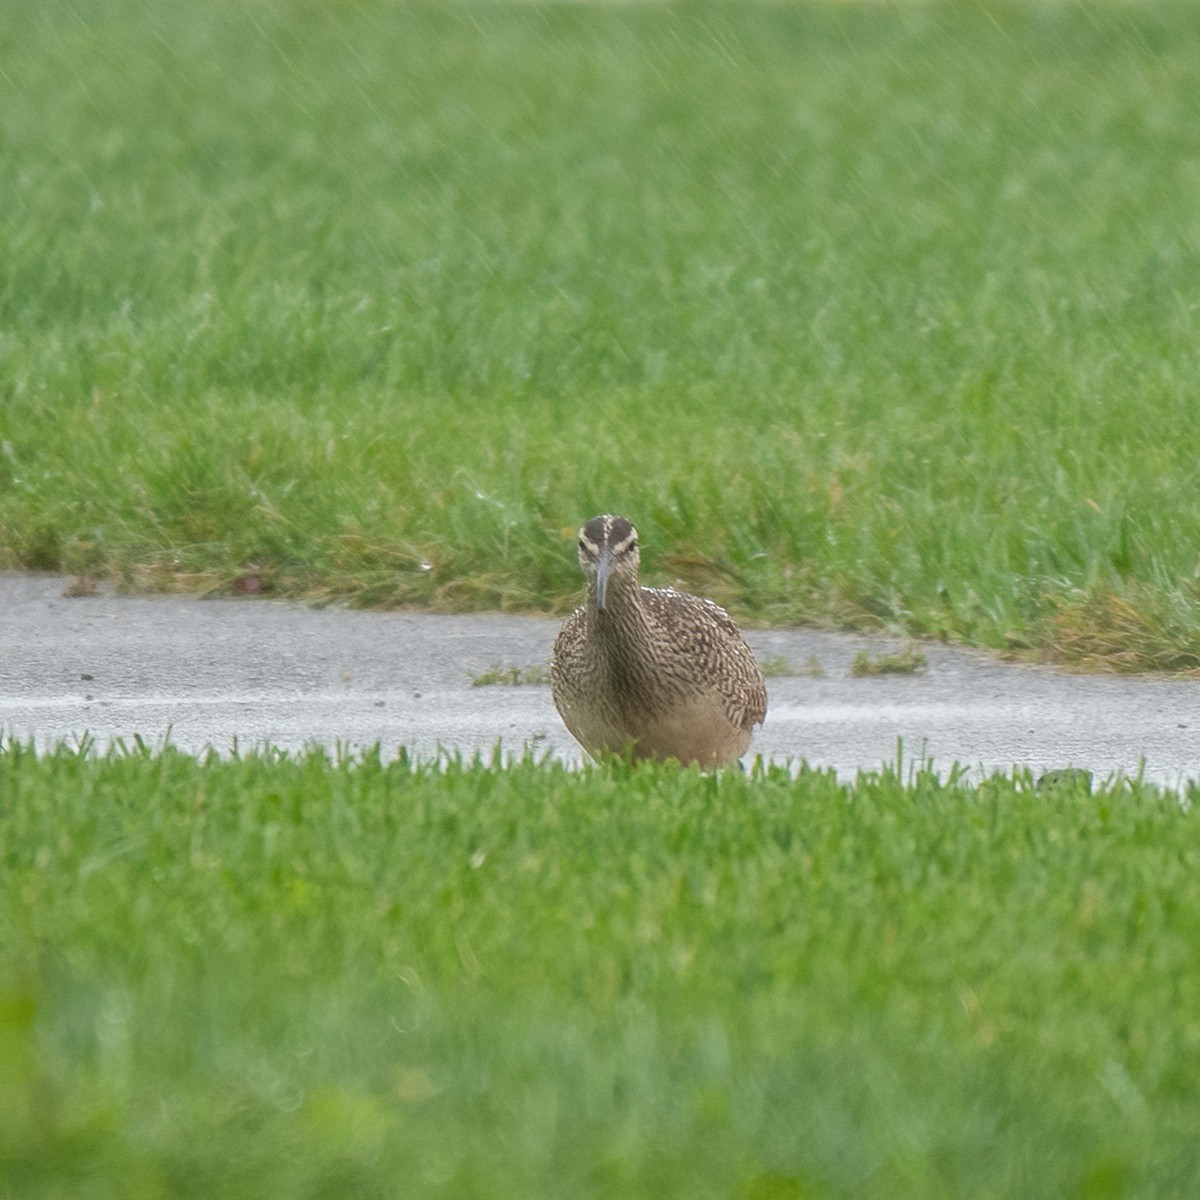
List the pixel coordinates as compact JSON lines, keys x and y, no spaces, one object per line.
{"x":220,"y":673}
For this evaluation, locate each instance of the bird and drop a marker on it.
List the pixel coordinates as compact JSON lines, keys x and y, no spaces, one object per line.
{"x":651,"y":673}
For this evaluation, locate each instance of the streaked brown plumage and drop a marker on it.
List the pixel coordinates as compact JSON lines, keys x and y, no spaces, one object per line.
{"x":651,"y":672}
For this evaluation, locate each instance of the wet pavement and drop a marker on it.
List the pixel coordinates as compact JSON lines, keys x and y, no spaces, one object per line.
{"x":247,"y":672}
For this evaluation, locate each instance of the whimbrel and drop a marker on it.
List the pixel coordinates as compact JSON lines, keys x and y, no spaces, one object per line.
{"x":651,"y":672}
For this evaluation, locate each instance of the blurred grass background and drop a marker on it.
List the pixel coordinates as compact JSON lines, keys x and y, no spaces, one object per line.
{"x":299,"y":978}
{"x":868,"y":314}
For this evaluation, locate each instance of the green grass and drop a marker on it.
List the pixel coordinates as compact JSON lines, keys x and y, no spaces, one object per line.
{"x":498,"y":674}
{"x":909,"y":661}
{"x":870,"y":315}
{"x":291,"y":977}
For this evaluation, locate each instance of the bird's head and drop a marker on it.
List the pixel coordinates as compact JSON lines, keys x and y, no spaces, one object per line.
{"x":608,"y":554}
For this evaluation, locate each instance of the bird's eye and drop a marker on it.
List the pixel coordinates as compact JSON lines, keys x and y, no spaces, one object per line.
{"x":633,"y":545}
{"x":582,"y":545}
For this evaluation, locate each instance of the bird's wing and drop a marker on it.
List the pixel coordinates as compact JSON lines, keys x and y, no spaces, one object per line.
{"x":706,"y":635}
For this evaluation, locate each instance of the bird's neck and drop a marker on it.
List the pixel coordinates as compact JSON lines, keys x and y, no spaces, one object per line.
{"x":620,"y":598}
{"x":624,"y":620}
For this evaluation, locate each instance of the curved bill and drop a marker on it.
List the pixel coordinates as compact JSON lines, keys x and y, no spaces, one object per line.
{"x":603,"y":568}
